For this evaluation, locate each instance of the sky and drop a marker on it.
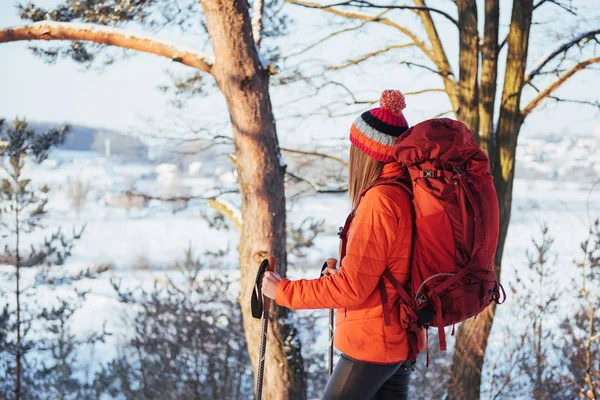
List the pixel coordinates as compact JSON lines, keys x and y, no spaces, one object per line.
{"x":124,"y":96}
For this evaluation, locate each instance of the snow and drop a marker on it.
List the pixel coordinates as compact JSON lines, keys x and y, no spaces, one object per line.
{"x":142,"y":244}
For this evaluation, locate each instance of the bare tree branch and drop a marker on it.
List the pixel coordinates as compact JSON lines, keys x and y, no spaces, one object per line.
{"x":366,"y":17}
{"x":424,"y":91}
{"x":176,"y":199}
{"x":336,"y":33}
{"x":584,"y":37}
{"x":444,"y":113}
{"x":556,"y":84}
{"x":363,"y":3}
{"x":369,"y":55}
{"x":49,"y":30}
{"x":316,"y":154}
{"x":315,"y":186}
{"x":440,"y":59}
{"x":564,"y":7}
{"x":435,"y":71}
{"x":575,"y":101}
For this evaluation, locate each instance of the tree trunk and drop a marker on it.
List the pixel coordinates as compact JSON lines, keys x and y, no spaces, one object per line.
{"x":245,"y":85}
{"x":489,"y":75}
{"x":468,"y":60}
{"x":472,"y":338}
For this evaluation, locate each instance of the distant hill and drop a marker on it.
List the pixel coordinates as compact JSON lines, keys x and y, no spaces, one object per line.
{"x":85,"y":138}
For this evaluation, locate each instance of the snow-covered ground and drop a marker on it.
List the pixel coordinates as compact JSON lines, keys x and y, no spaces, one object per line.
{"x":141,"y":244}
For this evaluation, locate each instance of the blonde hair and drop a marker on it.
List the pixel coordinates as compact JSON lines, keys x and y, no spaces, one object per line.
{"x":362,"y":172}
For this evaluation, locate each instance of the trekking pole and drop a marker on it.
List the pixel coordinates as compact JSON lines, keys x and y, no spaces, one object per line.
{"x":331,"y":262}
{"x":260,"y":309}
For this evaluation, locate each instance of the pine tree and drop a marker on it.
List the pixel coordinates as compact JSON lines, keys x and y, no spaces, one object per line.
{"x":38,"y":348}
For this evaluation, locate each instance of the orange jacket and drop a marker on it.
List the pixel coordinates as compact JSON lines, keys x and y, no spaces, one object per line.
{"x":380,"y":237}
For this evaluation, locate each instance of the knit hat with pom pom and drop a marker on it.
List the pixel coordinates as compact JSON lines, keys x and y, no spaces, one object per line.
{"x":376,"y":130}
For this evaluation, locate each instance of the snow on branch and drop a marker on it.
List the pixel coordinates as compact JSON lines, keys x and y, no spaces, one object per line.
{"x":52,"y":30}
{"x":556,"y":84}
{"x":584,"y":37}
{"x":228,"y":210}
{"x":257,"y":23}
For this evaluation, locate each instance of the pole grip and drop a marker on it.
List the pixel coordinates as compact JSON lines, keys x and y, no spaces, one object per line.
{"x":272,"y":267}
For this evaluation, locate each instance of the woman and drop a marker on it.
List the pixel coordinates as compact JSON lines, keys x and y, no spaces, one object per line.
{"x":375,"y":347}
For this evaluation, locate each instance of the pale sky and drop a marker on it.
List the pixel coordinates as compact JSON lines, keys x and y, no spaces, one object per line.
{"x":125,"y":95}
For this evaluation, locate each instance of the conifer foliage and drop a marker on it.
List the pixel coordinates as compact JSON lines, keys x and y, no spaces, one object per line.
{"x":38,"y":348}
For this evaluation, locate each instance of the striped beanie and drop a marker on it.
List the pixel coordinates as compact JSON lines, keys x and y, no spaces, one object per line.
{"x":375,"y":131}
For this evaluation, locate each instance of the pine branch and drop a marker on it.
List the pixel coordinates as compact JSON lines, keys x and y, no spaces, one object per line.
{"x":49,"y":30}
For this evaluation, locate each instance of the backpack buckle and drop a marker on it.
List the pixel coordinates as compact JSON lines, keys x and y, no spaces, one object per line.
{"x":340,"y":232}
{"x":428,"y":173}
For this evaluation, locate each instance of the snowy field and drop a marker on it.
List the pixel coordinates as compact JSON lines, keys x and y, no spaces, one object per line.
{"x":141,"y":245}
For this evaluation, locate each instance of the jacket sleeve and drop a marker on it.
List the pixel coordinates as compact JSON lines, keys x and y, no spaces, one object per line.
{"x":370,"y":239}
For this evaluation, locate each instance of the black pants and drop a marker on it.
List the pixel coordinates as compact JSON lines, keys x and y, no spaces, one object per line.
{"x":353,"y":379}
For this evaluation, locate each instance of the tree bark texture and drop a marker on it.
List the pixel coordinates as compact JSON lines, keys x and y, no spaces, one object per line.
{"x":472,"y":338}
{"x":245,"y":85}
{"x":489,"y":76}
{"x":468,"y":60}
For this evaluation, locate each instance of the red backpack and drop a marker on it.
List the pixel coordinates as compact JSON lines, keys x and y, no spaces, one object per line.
{"x":456,"y":228}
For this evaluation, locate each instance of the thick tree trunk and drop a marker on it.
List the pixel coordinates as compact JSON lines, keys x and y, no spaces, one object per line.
{"x":245,"y":84}
{"x":468,"y":60}
{"x":489,"y":76}
{"x":472,"y":338}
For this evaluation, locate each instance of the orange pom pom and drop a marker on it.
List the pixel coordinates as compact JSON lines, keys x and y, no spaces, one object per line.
{"x":393,"y":101}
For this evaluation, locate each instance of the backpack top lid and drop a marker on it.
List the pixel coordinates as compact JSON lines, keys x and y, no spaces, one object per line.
{"x":445,"y":140}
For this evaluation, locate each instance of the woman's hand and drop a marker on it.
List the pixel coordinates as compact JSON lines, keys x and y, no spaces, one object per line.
{"x":270,"y":281}
{"x":330,"y":271}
